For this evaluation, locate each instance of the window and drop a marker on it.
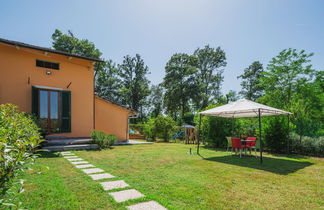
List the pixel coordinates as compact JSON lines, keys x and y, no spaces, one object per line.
{"x":47,"y":64}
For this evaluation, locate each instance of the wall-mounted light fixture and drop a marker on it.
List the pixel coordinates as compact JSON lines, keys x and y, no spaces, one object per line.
{"x":48,"y":72}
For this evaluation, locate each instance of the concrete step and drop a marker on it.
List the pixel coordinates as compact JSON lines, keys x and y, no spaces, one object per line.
{"x":55,"y":148}
{"x":67,"y":141}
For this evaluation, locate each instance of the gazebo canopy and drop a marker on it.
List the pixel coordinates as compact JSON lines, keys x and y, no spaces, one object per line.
{"x":243,"y":108}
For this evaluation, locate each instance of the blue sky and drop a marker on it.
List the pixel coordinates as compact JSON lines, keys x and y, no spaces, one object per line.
{"x":248,"y":30}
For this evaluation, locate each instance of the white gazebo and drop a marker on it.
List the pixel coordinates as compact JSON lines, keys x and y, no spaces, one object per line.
{"x":243,"y":108}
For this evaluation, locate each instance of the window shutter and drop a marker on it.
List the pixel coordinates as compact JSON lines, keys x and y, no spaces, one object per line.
{"x":65,"y":111}
{"x":35,"y":98}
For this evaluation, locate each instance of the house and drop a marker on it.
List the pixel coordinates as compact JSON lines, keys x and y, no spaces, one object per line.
{"x":58,"y":87}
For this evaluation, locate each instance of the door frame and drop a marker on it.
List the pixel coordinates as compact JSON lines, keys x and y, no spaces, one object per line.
{"x":49,"y":123}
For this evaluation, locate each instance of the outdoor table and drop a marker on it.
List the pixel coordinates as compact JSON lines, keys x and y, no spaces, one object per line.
{"x":243,"y":140}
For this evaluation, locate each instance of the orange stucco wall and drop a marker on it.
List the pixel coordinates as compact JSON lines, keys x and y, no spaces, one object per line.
{"x":111,"y":119}
{"x":17,"y":67}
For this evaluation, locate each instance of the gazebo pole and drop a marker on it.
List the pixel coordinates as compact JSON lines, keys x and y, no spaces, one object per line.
{"x":288,"y":142}
{"x":199,"y":134}
{"x":260,"y":130}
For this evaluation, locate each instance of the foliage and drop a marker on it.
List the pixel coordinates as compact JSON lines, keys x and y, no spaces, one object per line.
{"x":214,"y":130}
{"x":179,"y":83}
{"x":275,"y":133}
{"x":156,"y":100}
{"x":306,"y":145}
{"x":103,"y":140}
{"x":289,"y":80}
{"x":82,"y":47}
{"x":165,"y":127}
{"x":135,"y":85}
{"x":161,"y":127}
{"x":19,"y":139}
{"x":149,"y":129}
{"x":209,"y":75}
{"x":231,"y":96}
{"x":108,"y":83}
{"x":251,"y":78}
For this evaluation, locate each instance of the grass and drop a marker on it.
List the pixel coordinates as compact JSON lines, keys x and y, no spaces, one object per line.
{"x":166,"y":173}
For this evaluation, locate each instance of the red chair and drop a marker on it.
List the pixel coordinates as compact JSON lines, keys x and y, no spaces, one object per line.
{"x":237,"y":144}
{"x":250,"y":144}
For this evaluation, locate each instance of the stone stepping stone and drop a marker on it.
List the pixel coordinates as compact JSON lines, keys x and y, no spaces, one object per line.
{"x":150,"y":205}
{"x":67,"y":157}
{"x":92,"y":170}
{"x":67,"y":153}
{"x":79,"y":162}
{"x":75,"y":159}
{"x":114,"y":185}
{"x":101,"y":176}
{"x":85,"y":166}
{"x":125,"y":195}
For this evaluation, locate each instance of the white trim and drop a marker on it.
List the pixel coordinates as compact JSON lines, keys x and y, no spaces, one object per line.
{"x":46,"y":87}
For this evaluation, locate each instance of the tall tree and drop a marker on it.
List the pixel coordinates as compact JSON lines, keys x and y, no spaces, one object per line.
{"x":210,"y":69}
{"x":156,"y":100}
{"x":82,"y":47}
{"x":180,"y":83}
{"x":108,"y":83}
{"x":251,"y":79}
{"x":135,"y":85}
{"x":231,"y":96}
{"x":287,"y":74}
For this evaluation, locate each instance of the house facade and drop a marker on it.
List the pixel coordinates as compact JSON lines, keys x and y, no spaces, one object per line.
{"x":58,"y":88}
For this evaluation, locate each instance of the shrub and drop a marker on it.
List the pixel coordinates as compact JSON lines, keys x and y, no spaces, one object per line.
{"x":275,"y":133}
{"x":306,"y":145}
{"x":161,"y":127}
{"x":165,"y":127}
{"x":213,"y":130}
{"x":149,"y":129}
{"x":19,"y":139}
{"x":102,"y":140}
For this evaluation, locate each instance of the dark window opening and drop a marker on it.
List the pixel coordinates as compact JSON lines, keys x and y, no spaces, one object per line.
{"x":47,"y":64}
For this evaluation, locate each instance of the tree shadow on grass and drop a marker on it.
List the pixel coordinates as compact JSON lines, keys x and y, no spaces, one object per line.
{"x":273,"y":165}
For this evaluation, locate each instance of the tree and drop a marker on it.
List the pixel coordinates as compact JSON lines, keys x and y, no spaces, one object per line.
{"x":210,"y":63}
{"x":156,"y":100}
{"x":135,"y":85}
{"x":231,"y":96}
{"x":82,"y":47}
{"x":180,"y":83}
{"x":287,"y":76}
{"x":108,"y":83}
{"x":251,"y":79}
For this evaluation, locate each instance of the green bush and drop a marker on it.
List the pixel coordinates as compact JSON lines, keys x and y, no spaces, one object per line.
{"x":19,"y":139}
{"x":149,"y":129}
{"x":275,"y":132}
{"x":213,"y":130}
{"x":161,"y":127}
{"x":306,"y":145}
{"x":102,"y":140}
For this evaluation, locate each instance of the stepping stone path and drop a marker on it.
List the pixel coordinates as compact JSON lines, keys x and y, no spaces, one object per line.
{"x":80,"y":162}
{"x":125,"y":195}
{"x":101,"y":176}
{"x":153,"y":205}
{"x":92,"y":170}
{"x":67,"y":157}
{"x":75,"y":159}
{"x":119,"y":196}
{"x":85,"y":166}
{"x":114,"y":185}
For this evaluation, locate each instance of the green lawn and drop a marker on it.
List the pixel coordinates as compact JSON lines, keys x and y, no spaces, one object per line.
{"x":167,"y":174}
